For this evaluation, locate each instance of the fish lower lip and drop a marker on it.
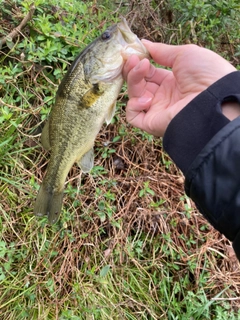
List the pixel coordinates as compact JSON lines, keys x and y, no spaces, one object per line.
{"x":124,"y":25}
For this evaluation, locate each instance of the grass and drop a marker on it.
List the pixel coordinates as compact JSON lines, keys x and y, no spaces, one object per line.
{"x":129,"y":244}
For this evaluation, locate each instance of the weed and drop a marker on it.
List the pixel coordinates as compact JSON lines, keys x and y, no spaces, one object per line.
{"x":146,"y":190}
{"x":129,"y":245}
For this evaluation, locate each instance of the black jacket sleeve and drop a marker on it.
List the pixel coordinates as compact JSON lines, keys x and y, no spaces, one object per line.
{"x":205,"y":145}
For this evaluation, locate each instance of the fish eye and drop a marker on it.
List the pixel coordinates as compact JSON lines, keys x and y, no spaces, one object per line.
{"x":106,"y":35}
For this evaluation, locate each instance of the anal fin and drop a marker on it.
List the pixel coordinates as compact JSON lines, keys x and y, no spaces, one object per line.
{"x":87,"y":161}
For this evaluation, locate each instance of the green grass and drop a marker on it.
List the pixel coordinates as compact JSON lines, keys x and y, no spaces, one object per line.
{"x":129,"y":244}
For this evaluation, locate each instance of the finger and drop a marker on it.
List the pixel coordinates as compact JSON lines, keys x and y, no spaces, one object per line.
{"x":136,"y":78}
{"x":158,"y":75}
{"x":161,"y":53}
{"x":139,"y":115}
{"x":144,"y":76}
{"x":129,"y":65}
{"x":137,"y":108}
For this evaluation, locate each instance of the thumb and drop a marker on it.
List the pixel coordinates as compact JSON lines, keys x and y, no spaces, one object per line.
{"x":163,"y":54}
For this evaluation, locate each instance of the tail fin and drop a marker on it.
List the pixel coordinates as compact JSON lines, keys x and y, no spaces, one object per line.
{"x":48,"y":203}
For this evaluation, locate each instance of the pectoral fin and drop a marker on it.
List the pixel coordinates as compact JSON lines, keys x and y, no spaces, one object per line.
{"x":45,"y":137}
{"x":110,"y":113}
{"x":87,"y":161}
{"x":92,"y":95}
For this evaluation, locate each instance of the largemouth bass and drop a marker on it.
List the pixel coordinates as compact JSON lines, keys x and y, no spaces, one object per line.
{"x":85,"y":99}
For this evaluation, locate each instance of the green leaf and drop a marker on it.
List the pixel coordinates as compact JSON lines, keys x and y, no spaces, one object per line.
{"x":104,"y":271}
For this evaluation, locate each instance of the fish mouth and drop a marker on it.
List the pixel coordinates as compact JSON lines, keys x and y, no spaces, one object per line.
{"x":125,"y":30}
{"x":130,"y":42}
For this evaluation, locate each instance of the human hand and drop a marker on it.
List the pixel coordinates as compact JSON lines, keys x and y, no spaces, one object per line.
{"x":156,"y":95}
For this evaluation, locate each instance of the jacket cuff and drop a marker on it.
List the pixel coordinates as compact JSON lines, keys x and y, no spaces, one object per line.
{"x":213,"y":181}
{"x":194,"y":126}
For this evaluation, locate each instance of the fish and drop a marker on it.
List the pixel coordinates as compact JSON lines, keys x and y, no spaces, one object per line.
{"x":85,"y":99}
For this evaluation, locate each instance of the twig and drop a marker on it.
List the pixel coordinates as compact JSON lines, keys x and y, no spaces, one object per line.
{"x":225,"y":299}
{"x":9,"y":105}
{"x":16,"y":30}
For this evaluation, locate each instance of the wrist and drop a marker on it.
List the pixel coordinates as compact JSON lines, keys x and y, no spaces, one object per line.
{"x":231,"y":110}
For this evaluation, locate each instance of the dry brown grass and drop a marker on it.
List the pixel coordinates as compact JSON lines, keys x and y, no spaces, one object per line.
{"x":104,"y":216}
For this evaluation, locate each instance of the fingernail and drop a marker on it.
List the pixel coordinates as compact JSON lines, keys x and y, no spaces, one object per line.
{"x":138,"y":66}
{"x":144,"y":99}
{"x":145,"y":41}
